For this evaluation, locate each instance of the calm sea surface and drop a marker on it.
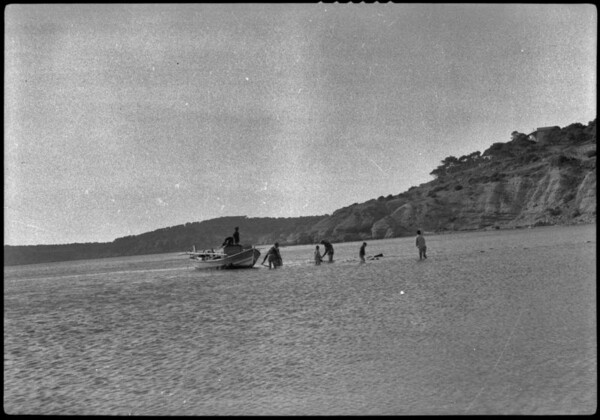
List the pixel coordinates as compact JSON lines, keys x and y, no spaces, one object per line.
{"x":499,"y":322}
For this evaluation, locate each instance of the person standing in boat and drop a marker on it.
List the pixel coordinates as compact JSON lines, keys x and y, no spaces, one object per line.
{"x":274,"y":256}
{"x":228,"y":241}
{"x":318,"y":258}
{"x":328,"y":249}
{"x":236,"y":236}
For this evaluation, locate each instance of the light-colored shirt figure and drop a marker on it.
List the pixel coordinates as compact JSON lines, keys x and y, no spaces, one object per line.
{"x":318,"y":257}
{"x":420,"y":243}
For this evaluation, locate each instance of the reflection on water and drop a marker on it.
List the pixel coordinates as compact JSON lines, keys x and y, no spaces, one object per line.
{"x":492,"y":323}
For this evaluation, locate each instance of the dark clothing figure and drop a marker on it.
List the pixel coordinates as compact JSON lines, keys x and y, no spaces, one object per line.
{"x":328,"y":250}
{"x":421,"y":245}
{"x":274,"y":256}
{"x":236,"y":236}
{"x":228,"y":241}
{"x":362,"y":252}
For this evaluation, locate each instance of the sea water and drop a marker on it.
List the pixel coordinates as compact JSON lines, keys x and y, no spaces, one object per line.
{"x":499,"y":322}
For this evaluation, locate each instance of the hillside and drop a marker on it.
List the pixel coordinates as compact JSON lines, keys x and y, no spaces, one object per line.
{"x":539,"y":179}
{"x":520,"y":183}
{"x":205,"y":234}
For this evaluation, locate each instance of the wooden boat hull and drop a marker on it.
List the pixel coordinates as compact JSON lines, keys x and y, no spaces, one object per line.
{"x":230,"y":259}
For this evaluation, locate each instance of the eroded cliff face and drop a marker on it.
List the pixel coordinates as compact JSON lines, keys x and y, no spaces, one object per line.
{"x":585,"y":199}
{"x":517,"y":184}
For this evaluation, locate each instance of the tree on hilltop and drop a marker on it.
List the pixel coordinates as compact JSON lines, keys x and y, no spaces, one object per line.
{"x":447,"y":164}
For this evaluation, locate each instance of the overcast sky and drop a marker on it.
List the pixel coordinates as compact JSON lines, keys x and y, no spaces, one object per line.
{"x":122,"y":119}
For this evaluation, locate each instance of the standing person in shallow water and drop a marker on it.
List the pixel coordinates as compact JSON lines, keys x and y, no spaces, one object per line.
{"x":362,"y":252}
{"x":318,"y":257}
{"x":236,"y":236}
{"x":328,"y":250}
{"x":421,"y":245}
{"x":274,"y":256}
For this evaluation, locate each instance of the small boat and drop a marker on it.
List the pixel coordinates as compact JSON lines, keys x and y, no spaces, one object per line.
{"x":229,"y":256}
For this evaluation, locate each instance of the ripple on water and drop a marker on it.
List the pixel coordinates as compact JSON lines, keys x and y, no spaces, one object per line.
{"x":507,"y":331}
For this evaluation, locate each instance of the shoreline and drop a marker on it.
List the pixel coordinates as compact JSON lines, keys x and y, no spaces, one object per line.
{"x":496,"y":228}
{"x":427,"y":233}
